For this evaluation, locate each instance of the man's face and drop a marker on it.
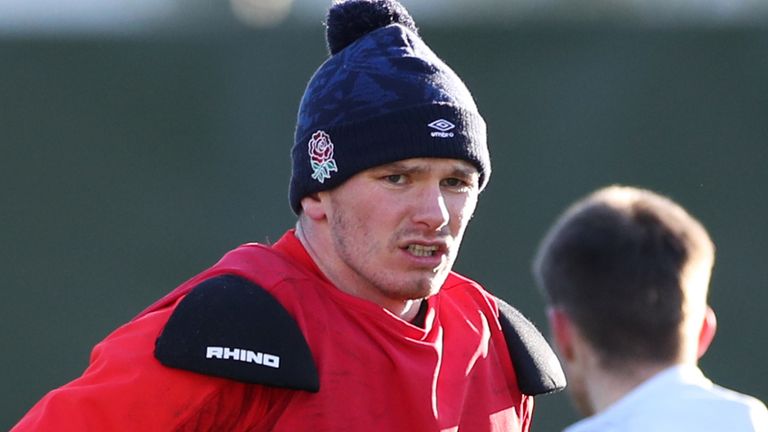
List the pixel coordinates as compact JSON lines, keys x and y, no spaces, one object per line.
{"x":396,"y":229}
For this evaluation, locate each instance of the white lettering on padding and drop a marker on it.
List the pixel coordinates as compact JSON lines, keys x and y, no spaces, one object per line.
{"x":243,"y":355}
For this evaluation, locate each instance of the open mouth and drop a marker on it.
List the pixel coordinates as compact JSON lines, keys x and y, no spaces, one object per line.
{"x":422,"y":250}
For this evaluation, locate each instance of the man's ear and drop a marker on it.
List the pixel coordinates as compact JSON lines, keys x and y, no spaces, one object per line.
{"x":707,"y":332}
{"x":312,"y":206}
{"x":562,"y":331}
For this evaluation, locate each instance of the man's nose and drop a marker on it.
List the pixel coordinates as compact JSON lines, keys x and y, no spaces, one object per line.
{"x":430,"y":208}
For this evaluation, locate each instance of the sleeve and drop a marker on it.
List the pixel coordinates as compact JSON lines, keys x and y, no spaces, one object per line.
{"x":125,"y":388}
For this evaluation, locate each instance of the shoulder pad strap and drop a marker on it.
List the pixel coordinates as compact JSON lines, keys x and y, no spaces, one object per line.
{"x":230,"y":327}
{"x":537,"y":367}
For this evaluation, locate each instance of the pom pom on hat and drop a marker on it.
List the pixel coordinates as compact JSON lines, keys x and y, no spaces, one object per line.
{"x":349,"y":20}
{"x":382,"y":96}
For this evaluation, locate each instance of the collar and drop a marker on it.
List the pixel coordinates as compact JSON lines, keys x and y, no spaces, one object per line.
{"x":654,"y":388}
{"x":679,"y":374}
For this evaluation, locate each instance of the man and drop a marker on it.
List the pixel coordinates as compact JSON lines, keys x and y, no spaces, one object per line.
{"x":353,"y":320}
{"x":625,"y":272}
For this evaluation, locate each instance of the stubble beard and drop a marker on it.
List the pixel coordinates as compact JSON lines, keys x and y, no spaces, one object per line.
{"x":360,"y":259}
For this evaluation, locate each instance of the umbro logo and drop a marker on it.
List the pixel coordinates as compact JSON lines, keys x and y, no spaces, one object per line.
{"x":442,"y":128}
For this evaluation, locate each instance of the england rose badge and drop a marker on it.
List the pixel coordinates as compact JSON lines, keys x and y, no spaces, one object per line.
{"x":321,"y":156}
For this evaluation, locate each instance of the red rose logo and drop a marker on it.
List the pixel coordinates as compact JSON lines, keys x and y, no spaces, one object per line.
{"x":321,"y":156}
{"x":320,"y":147}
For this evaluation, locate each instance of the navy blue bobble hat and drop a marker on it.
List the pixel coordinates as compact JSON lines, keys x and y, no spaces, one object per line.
{"x":382,"y":96}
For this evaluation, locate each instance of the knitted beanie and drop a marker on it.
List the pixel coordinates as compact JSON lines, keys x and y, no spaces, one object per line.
{"x":382,"y":96}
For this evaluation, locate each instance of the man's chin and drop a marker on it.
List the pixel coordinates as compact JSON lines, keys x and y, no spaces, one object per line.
{"x":431,"y":289}
{"x":420,"y":291}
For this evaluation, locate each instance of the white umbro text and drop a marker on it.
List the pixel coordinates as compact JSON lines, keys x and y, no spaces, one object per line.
{"x":442,"y":127}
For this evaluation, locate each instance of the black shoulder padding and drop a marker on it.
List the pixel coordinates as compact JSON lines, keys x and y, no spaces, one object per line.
{"x":230,"y":327}
{"x":537,"y":367}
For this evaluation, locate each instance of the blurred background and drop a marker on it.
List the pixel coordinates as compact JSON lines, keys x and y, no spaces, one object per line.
{"x":142,"y":139}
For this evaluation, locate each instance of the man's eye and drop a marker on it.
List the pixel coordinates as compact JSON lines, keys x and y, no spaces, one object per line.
{"x":454,"y":182}
{"x":395,"y":178}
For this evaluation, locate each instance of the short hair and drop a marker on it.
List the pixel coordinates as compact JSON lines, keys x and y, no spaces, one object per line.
{"x":625,"y":264}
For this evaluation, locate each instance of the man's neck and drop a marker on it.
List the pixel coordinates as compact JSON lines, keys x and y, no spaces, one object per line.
{"x":606,"y":387}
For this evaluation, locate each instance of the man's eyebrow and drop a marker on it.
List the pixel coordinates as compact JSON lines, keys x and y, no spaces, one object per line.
{"x":458,"y":170}
{"x":465,"y":171}
{"x":403,"y":167}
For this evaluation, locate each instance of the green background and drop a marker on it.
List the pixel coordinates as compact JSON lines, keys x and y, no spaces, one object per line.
{"x":130,"y":164}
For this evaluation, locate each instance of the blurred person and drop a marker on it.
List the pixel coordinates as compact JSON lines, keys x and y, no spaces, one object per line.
{"x":625,"y":272}
{"x":353,"y":319}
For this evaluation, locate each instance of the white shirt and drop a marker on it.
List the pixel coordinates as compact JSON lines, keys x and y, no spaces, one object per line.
{"x":679,"y":399}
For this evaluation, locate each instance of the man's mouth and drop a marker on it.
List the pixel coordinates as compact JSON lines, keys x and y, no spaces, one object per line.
{"x":422,"y":250}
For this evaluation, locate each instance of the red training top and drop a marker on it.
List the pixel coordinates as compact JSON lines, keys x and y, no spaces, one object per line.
{"x":376,"y":371}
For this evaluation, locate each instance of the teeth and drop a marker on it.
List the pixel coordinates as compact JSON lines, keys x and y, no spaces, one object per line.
{"x":422,"y":251}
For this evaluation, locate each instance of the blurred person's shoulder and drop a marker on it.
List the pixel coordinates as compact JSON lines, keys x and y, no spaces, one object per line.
{"x":679,"y":398}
